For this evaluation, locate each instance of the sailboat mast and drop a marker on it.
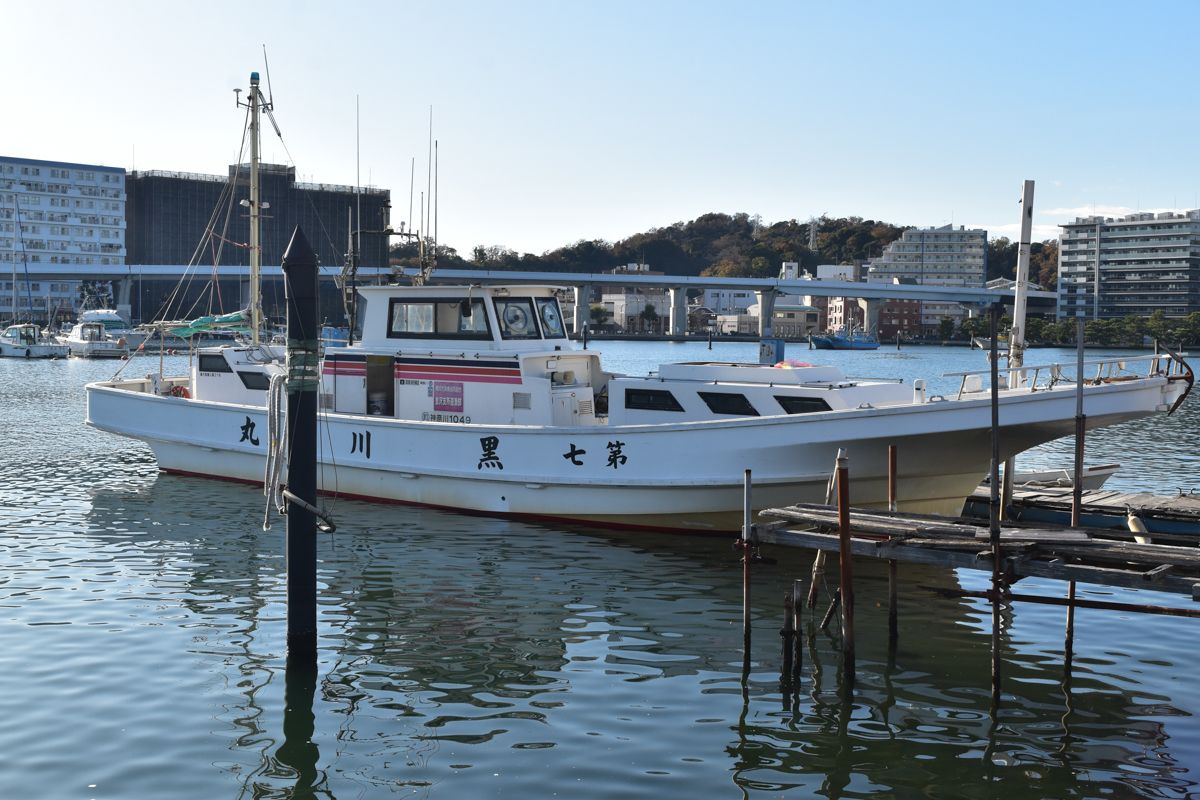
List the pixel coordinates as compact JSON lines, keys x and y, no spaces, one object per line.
{"x":255,"y":244}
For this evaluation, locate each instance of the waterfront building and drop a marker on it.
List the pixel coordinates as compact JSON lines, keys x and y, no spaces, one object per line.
{"x":945,"y":256}
{"x":728,"y":301}
{"x":170,"y":213}
{"x":58,"y":221}
{"x":1134,"y":265}
{"x":628,"y":308}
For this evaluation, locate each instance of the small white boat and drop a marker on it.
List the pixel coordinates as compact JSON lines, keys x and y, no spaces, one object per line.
{"x":1093,"y":477}
{"x":92,"y":340}
{"x":27,"y":341}
{"x":114,"y":324}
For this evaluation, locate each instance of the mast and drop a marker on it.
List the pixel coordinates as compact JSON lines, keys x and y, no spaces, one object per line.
{"x":1016,"y":337}
{"x":255,"y":244}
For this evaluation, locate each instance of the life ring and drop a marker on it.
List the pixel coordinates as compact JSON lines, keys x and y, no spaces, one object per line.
{"x":180,"y":391}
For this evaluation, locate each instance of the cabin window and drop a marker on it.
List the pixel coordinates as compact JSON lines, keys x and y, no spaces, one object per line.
{"x":516,"y":318}
{"x":651,"y":400}
{"x":551,"y":317}
{"x":214,"y":362}
{"x":254,"y":380}
{"x":801,"y":405}
{"x":438,"y":319}
{"x":728,"y":403}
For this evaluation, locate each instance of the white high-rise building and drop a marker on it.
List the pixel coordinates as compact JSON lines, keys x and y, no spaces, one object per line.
{"x":57,"y":217}
{"x":945,"y":256}
{"x":1130,"y":266}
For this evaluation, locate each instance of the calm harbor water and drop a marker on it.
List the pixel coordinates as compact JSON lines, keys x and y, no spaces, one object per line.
{"x":143,"y":644}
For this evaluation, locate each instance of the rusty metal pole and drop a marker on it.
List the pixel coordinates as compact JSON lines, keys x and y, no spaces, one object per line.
{"x":994,"y":508}
{"x":747,"y":534}
{"x":798,"y":625}
{"x":788,"y":633}
{"x":1080,"y":426}
{"x":847,"y":566}
{"x":893,"y":610}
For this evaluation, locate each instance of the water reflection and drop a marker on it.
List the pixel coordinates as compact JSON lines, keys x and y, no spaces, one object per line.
{"x":467,"y":656}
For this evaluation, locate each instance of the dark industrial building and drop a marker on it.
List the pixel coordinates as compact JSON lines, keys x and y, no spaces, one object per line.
{"x":170,"y":213}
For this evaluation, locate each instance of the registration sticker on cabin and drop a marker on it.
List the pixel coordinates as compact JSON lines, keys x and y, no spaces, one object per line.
{"x":447,"y":396}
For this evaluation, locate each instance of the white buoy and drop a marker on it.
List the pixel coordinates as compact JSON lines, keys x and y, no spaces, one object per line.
{"x":1137,"y":527}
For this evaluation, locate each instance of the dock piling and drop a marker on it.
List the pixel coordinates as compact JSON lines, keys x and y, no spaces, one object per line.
{"x":1080,"y":425}
{"x":846,"y":564}
{"x":747,"y":545}
{"x":300,"y":289}
{"x":893,"y":611}
{"x":788,"y":634}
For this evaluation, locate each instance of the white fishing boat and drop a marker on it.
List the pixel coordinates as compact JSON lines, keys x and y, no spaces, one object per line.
{"x":92,"y":340}
{"x":26,"y":340}
{"x":472,"y":398}
{"x":116,"y":325}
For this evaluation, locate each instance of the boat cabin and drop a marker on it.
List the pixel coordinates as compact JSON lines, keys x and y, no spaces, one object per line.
{"x":499,"y":355}
{"x":26,"y":334}
{"x":463,"y":354}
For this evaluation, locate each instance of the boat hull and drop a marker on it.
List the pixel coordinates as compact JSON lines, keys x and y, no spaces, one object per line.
{"x":679,"y":476}
{"x":39,"y":350}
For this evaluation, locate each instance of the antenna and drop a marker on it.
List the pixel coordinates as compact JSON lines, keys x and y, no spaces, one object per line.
{"x":435,"y":197}
{"x":357,"y":182}
{"x":429,"y":175}
{"x":267,"y":69}
{"x":412,"y":176}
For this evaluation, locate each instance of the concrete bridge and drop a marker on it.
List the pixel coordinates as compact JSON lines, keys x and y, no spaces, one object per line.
{"x":871,"y":296}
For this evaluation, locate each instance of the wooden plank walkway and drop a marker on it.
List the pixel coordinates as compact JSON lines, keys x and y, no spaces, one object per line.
{"x":1168,"y":514}
{"x":1088,"y":555}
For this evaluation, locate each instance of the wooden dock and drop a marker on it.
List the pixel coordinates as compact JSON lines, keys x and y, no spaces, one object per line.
{"x":1097,"y":556}
{"x":1100,"y":508}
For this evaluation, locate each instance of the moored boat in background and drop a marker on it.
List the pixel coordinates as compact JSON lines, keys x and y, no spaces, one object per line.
{"x":26,"y":340}
{"x":845,"y":340}
{"x":92,"y":340}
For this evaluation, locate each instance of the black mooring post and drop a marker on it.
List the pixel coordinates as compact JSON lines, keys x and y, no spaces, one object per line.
{"x":298,"y":750}
{"x":300,"y":288}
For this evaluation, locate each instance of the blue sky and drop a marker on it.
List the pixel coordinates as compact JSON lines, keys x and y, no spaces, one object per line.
{"x":559,"y":121}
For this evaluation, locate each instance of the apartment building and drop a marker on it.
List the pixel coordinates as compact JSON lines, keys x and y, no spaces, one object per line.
{"x":56,"y":217}
{"x":1134,"y":265}
{"x":943,"y":256}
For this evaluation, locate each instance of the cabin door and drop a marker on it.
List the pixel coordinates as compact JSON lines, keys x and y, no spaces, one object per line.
{"x":381,"y":386}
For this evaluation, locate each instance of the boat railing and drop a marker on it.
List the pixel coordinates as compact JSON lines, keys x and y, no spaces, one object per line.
{"x":1041,"y":377}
